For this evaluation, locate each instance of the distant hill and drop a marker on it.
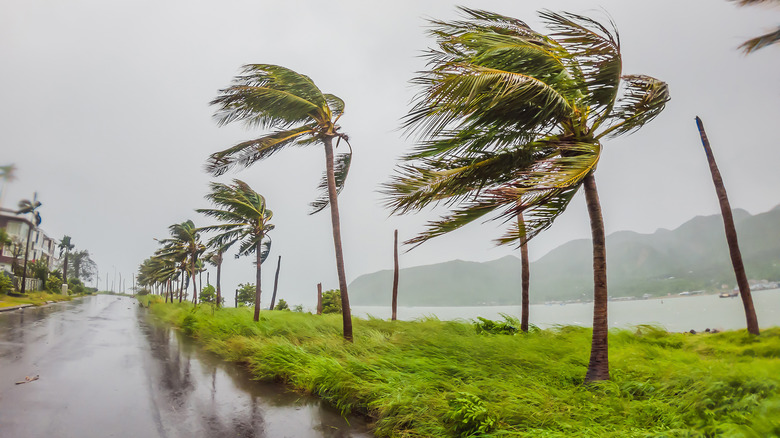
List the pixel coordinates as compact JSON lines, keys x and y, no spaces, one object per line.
{"x":692,"y":257}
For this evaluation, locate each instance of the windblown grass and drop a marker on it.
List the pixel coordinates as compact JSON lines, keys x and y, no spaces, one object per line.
{"x":431,"y":378}
{"x":36,"y":298}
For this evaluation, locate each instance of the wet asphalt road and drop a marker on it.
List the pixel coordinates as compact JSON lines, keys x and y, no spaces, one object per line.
{"x":106,"y":370}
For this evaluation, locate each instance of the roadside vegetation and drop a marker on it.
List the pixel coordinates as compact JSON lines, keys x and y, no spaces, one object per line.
{"x":454,"y":378}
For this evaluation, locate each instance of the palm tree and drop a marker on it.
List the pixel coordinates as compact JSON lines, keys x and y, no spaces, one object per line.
{"x":247,"y":222}
{"x":275,"y":97}
{"x":65,"y":246}
{"x":185,"y":247}
{"x":29,"y":207}
{"x":511,"y":121}
{"x":214,"y":258}
{"x":731,"y":234}
{"x":762,"y":41}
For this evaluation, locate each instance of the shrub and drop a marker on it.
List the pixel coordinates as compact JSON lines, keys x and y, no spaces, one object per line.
{"x":208,"y":294}
{"x":469,"y":415}
{"x":6,"y":284}
{"x":331,"y":301}
{"x":281,"y":305}
{"x":486,"y":326}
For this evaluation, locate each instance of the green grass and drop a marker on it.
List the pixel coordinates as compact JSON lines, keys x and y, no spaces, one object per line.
{"x":36,"y":298}
{"x":431,"y":378}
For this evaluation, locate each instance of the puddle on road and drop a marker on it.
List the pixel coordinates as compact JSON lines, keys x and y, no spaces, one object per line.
{"x":202,"y":394}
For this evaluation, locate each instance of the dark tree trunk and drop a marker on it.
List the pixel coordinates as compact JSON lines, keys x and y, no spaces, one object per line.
{"x":319,"y":298}
{"x":346,"y":313}
{"x":395,"y":276}
{"x":194,"y":280}
{"x":731,"y":235}
{"x":27,"y":256}
{"x":259,"y":251}
{"x":219,"y":276}
{"x":276,"y":283}
{"x":598,"y":367}
{"x":65,"y":268}
{"x":181,"y":287}
{"x":525,"y":276}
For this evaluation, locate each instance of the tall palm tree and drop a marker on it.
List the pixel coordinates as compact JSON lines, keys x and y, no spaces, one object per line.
{"x":511,"y":121}
{"x":29,"y":207}
{"x":731,"y":234}
{"x":277,"y":98}
{"x":65,"y":247}
{"x":246,"y":222}
{"x":759,"y":42}
{"x":185,"y":247}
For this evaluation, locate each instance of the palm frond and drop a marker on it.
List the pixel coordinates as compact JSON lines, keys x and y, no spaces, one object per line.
{"x":595,"y":57}
{"x":643,"y":98}
{"x":760,"y":42}
{"x":340,"y":171}
{"x":248,"y":152}
{"x":270,"y":96}
{"x":335,"y":104}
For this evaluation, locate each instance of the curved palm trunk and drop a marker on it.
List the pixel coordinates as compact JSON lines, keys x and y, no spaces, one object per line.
{"x":27,"y":256}
{"x":276,"y":283}
{"x":334,"y":217}
{"x":598,"y":367}
{"x":731,"y":235}
{"x":525,"y":276}
{"x":259,"y":259}
{"x":395,"y":276}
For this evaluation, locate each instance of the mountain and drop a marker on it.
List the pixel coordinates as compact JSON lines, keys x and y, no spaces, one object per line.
{"x":692,"y":257}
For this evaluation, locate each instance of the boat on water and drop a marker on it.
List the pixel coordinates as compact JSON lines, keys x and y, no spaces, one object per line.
{"x":731,"y":294}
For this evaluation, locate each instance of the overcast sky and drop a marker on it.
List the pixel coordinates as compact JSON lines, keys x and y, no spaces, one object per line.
{"x":104,"y":110}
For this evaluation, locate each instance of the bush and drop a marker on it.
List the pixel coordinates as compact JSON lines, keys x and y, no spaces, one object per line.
{"x":208,"y":294}
{"x":469,"y":415}
{"x":281,"y":305}
{"x":6,"y":284}
{"x":486,"y":326}
{"x":331,"y":301}
{"x":245,"y":295}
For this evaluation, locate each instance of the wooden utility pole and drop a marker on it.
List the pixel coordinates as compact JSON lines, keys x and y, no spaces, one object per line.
{"x":319,"y":298}
{"x":731,"y":234}
{"x":395,"y":276}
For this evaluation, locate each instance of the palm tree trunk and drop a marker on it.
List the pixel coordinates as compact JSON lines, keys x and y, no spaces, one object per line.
{"x":598,"y":367}
{"x":525,"y":277}
{"x":346,"y":313}
{"x":194,"y":280}
{"x":181,"y":287}
{"x":395,"y":276}
{"x":65,"y":269}
{"x":26,"y":256}
{"x":259,"y":259}
{"x":219,"y":276}
{"x":276,"y":283}
{"x":731,"y":235}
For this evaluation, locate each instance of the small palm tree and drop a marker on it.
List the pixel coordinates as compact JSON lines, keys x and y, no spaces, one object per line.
{"x":275,"y":97}
{"x":185,"y":247}
{"x":512,"y":121}
{"x":246,"y":222}
{"x":65,"y":247}
{"x":29,"y":207}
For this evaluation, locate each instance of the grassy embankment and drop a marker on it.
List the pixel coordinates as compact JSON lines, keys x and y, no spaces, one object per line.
{"x":431,"y":378}
{"x":36,"y":298}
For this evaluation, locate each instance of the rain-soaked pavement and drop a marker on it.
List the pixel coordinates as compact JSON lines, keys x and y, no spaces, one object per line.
{"x":107,"y":370}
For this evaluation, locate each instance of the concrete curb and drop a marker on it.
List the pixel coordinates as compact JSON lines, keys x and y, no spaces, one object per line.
{"x":9,"y":309}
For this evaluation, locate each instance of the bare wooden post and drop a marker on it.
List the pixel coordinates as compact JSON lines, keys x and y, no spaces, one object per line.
{"x":731,"y":235}
{"x":276,"y":282}
{"x":319,"y":298}
{"x":395,"y":277}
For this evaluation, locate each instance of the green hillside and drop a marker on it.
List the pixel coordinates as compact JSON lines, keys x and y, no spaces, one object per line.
{"x":691,"y":257}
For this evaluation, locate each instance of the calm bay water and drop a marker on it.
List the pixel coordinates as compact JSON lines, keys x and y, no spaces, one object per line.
{"x":673,"y":313}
